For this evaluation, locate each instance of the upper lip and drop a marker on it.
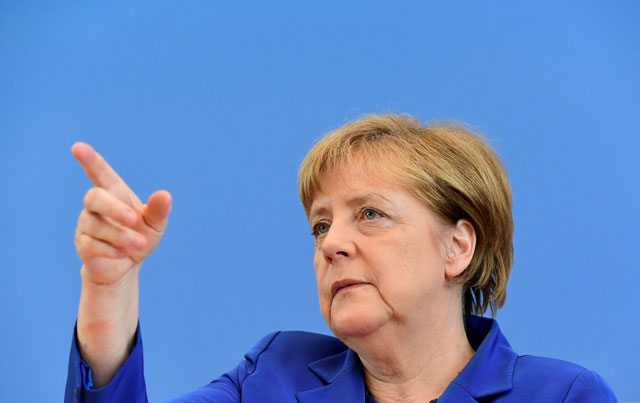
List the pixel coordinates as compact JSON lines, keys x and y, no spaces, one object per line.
{"x":337,"y":285}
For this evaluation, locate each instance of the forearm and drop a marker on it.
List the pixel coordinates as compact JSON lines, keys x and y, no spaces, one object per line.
{"x":115,"y":233}
{"x":107,"y":322}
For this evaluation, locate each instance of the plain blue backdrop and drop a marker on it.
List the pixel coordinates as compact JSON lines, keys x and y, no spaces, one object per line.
{"x":218,"y":102}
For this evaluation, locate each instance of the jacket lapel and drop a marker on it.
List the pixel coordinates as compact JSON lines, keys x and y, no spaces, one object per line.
{"x":489,"y":372}
{"x":342,"y":375}
{"x":455,"y":394}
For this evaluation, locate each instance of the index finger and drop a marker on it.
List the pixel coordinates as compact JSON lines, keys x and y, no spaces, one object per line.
{"x":97,"y":169}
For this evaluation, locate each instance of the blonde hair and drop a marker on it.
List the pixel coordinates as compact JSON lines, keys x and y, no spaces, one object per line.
{"x":454,"y":170}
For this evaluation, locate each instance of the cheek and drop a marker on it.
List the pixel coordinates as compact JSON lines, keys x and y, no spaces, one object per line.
{"x":317,"y":267}
{"x":412,"y":269}
{"x":321,"y":281}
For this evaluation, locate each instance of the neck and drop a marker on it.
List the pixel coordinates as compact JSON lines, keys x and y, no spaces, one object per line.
{"x":414,"y":362}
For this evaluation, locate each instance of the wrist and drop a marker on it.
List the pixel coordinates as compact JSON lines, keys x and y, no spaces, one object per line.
{"x":109,"y":311}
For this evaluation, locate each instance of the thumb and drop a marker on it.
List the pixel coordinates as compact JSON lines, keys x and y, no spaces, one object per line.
{"x":156,"y":212}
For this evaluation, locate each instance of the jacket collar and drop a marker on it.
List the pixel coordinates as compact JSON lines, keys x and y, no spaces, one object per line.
{"x":489,"y":372}
{"x":342,"y":376}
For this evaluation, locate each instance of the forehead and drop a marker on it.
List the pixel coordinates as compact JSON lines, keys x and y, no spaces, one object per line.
{"x":355,"y":181}
{"x":358,"y":172}
{"x":324,"y":165}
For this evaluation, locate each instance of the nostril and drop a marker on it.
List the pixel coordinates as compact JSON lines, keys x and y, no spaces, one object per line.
{"x":343,"y":253}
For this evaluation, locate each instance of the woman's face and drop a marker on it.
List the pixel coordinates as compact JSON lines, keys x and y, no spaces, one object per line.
{"x":379,"y":255}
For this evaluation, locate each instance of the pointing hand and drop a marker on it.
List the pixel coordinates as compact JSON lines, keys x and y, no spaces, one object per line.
{"x":115,"y":230}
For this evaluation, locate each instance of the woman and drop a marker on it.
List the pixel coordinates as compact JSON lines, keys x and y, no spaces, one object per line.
{"x":413,"y":237}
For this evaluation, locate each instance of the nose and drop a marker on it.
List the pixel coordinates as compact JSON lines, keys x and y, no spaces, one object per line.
{"x":338,"y":244}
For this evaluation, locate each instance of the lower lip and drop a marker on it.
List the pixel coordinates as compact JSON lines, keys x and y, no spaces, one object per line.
{"x":349,"y":287}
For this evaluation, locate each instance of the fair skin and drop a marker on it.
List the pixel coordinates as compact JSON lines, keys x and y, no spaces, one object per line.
{"x":403,"y":317}
{"x":399,"y":308}
{"x":115,"y":233}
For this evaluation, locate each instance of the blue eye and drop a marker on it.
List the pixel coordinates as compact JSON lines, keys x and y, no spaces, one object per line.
{"x":320,"y":228}
{"x":371,"y":214}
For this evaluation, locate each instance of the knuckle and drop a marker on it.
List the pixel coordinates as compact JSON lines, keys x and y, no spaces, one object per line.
{"x":82,"y":244}
{"x":92,"y":226}
{"x":82,"y":217}
{"x":90,"y":197}
{"x":87,"y":223}
{"x":84,"y":241}
{"x":91,"y":248}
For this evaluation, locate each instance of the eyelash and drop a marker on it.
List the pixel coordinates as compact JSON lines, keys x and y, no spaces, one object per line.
{"x":314,"y":230}
{"x":363,"y":211}
{"x":367,"y":209}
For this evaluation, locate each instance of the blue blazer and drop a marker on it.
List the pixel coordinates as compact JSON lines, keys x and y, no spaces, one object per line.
{"x":309,"y":368}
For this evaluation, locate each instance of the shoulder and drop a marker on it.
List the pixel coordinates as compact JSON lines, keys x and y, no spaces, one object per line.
{"x":529,"y":364}
{"x":557,"y":380}
{"x":497,"y":370}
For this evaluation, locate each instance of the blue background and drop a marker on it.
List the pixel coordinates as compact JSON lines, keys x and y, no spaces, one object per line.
{"x":218,"y":103}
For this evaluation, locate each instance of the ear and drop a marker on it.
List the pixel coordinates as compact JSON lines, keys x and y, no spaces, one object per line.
{"x":461,"y":244}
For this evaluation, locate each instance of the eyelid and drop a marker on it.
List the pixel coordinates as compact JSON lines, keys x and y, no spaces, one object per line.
{"x":365,"y":209}
{"x":361,"y":213}
{"x":314,"y":227}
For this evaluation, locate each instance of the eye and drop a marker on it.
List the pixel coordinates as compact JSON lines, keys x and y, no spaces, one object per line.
{"x":371,"y":214}
{"x":320,"y":228}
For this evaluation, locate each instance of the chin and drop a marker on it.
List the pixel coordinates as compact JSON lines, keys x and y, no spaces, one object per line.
{"x":346,"y":323}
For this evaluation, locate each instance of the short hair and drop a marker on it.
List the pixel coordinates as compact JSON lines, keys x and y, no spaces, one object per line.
{"x":452,"y":169}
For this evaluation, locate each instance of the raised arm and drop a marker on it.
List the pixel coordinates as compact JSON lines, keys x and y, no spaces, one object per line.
{"x":115,"y":233}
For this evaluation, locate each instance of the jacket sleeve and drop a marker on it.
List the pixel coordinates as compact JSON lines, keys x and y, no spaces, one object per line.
{"x":127,"y":384}
{"x":587,"y":387}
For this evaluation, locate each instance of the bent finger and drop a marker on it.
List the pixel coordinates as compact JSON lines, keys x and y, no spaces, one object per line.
{"x":89,"y":248}
{"x":100,"y":201}
{"x":115,"y":234}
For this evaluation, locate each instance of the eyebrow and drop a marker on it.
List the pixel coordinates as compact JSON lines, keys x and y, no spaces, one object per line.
{"x":357,"y":200}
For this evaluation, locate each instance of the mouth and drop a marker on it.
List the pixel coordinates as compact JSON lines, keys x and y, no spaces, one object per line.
{"x":342,"y":284}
